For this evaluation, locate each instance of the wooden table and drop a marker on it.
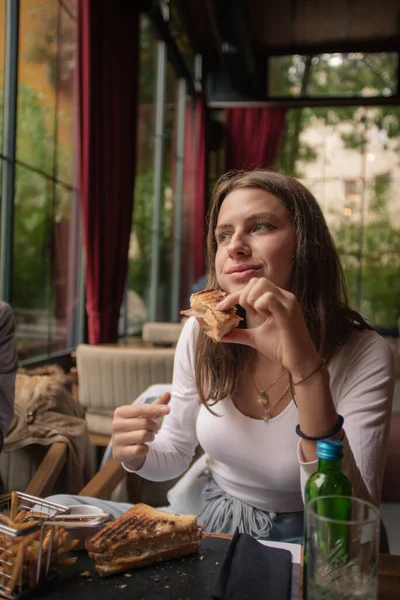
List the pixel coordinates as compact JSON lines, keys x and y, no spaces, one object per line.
{"x":389,"y":577}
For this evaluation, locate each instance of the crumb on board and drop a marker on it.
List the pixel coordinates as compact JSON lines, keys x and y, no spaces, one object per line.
{"x":85,"y":574}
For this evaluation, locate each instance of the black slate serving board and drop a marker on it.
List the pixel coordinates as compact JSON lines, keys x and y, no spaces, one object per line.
{"x":188,"y":578}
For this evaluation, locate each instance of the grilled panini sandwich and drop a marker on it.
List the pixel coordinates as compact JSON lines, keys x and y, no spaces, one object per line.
{"x":142,"y":536}
{"x":216,"y":323}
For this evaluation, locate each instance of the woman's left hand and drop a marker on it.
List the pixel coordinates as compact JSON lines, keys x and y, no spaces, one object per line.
{"x":279,"y":330}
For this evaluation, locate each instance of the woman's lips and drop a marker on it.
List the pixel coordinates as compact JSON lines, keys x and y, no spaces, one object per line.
{"x":245,"y":275}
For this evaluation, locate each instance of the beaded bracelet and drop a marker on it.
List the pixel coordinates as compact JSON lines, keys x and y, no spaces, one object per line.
{"x":329,"y":434}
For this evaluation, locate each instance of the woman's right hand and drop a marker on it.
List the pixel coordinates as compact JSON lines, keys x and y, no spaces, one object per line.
{"x":133,"y":427}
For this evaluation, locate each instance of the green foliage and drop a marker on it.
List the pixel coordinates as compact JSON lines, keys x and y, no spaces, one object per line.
{"x":352,"y":74}
{"x":370,"y":256}
{"x":369,"y":250}
{"x":34,"y":210}
{"x":31,"y":281}
{"x":139,"y":267}
{"x":294,"y":150}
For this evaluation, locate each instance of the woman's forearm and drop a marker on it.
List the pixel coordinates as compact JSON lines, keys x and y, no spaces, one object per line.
{"x":317,"y":413}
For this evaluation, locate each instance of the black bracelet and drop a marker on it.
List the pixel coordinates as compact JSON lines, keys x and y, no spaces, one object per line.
{"x":329,"y":434}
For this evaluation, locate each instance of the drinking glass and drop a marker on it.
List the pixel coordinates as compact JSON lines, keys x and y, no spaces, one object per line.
{"x":342,"y":549}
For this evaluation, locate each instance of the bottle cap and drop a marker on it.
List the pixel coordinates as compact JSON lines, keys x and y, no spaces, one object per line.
{"x":330,"y":449}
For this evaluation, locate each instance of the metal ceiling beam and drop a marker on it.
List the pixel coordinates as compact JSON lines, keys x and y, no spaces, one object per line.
{"x":199,"y":22}
{"x":306,"y":101}
{"x":240,"y":58}
{"x":162,"y":31}
{"x":378,"y":45}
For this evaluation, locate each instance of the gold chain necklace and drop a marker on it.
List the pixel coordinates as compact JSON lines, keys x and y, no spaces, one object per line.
{"x":263,"y":398}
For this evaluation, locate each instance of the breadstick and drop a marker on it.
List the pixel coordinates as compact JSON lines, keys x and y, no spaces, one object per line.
{"x":14,"y":505}
{"x":17,"y":566}
{"x":20,"y":516}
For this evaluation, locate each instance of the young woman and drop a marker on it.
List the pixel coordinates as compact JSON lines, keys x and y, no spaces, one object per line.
{"x":302,"y":358}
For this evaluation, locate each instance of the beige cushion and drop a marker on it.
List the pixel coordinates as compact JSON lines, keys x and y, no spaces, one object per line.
{"x":99,"y":422}
{"x":110,"y":376}
{"x":161,"y":333}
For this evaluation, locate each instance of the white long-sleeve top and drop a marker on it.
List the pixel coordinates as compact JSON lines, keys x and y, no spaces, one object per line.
{"x":261,"y":463}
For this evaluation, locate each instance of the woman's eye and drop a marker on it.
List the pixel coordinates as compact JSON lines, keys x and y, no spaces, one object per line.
{"x":263,"y":226}
{"x":223,"y":237}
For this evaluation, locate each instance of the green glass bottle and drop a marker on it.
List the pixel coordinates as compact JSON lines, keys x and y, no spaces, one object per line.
{"x":328,"y":480}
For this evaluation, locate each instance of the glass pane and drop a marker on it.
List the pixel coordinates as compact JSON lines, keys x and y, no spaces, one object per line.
{"x":349,"y":159}
{"x":31,"y":292}
{"x":285,"y":75}
{"x":352,"y":74}
{"x":169,"y":175}
{"x":2,"y":58}
{"x":65,"y":228}
{"x":69,"y":6}
{"x":66,"y":123}
{"x":44,"y":264}
{"x":140,"y":245}
{"x":37,"y":72}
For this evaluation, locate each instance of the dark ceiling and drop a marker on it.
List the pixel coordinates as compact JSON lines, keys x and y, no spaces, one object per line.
{"x":279,"y":25}
{"x":236,"y":36}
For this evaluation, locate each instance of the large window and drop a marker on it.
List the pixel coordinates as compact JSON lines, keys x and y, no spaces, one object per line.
{"x":140,"y":253}
{"x":351,"y":74}
{"x":44,"y":257}
{"x":140,"y":244}
{"x":349,"y":159}
{"x":2,"y":59}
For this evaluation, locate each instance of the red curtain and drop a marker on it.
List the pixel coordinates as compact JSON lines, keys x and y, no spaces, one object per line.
{"x":108,"y":51}
{"x":253,"y":136}
{"x":199,"y":205}
{"x":195,"y":196}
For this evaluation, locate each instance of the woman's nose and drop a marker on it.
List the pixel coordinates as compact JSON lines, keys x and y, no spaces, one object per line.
{"x":238,"y":245}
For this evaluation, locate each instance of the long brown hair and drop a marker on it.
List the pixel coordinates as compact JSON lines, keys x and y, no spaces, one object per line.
{"x":317,"y":282}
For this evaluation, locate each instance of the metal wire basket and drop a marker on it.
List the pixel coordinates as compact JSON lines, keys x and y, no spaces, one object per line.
{"x":29,"y":548}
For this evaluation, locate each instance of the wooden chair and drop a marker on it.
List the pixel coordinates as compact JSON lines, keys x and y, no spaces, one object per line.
{"x":106,"y":480}
{"x":35,"y":469}
{"x":44,"y":480}
{"x":35,"y":452}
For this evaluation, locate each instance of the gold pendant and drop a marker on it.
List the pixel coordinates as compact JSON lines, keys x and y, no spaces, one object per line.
{"x":266,"y":417}
{"x":262,"y":398}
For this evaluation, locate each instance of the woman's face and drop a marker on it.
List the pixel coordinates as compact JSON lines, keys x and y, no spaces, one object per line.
{"x":255,"y":238}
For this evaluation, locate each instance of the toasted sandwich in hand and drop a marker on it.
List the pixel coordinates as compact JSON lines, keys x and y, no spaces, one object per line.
{"x":216,"y":323}
{"x":143,"y":536}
